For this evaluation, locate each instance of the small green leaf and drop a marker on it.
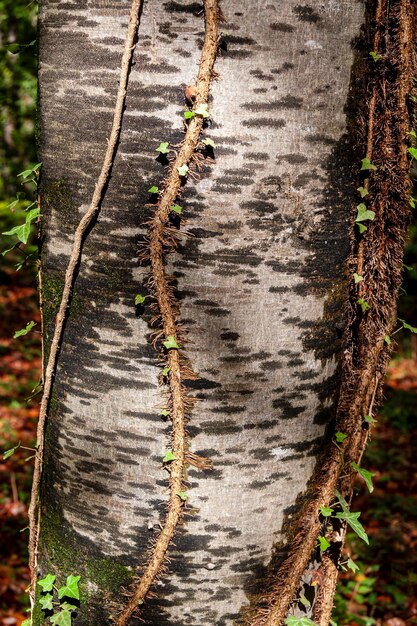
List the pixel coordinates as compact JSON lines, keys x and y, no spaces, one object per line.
{"x":412,"y":202}
{"x":340,"y":437}
{"x":352,"y":566}
{"x":163,"y":147}
{"x":292,"y":620}
{"x":171,"y":343}
{"x":367,"y":165}
{"x":8,"y":453}
{"x":362,"y":228}
{"x":153,"y":189}
{"x":165,"y":413}
{"x":202,"y":110}
{"x":304,"y":601}
{"x":189,"y":115}
{"x":165,"y":371}
{"x":33,"y":170}
{"x":369,"y":419}
{"x":413,"y":329}
{"x":182,"y":495}
{"x":169,"y":456}
{"x":140,"y":601}
{"x":46,"y":602}
{"x":413,"y":152}
{"x":209,"y":142}
{"x":26,"y":622}
{"x":363,"y":192}
{"x":47,"y":583}
{"x":412,"y":134}
{"x":176,"y":208}
{"x":366,"y":475}
{"x":354,"y":523}
{"x":24,"y":331}
{"x":70,"y":589}
{"x":183,"y":170}
{"x":375,"y":56}
{"x":139,"y":299}
{"x":363,"y":304}
{"x":22,"y":232}
{"x":387,"y":340}
{"x":63,"y":618}
{"x":364,"y":214}
{"x":32,"y":215}
{"x":357,"y":278}
{"x":66,"y":606}
{"x":324,"y":544}
{"x":326,"y":511}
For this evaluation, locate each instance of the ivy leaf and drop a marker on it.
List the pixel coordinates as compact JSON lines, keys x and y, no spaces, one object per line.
{"x":182,"y":495}
{"x":413,"y":152}
{"x":340,"y":437}
{"x":366,"y":475}
{"x":387,"y":340}
{"x":189,"y":115}
{"x":363,"y":192}
{"x":165,"y":413}
{"x":46,"y":602}
{"x":33,"y":170}
{"x":26,"y":622}
{"x":66,"y":606}
{"x":176,"y":208}
{"x":70,"y":589}
{"x":153,"y":189}
{"x":367,"y":165}
{"x":139,"y":299}
{"x":22,"y":232}
{"x":163,"y":147}
{"x":32,"y":215}
{"x":8,"y":453}
{"x":202,"y":110}
{"x":169,"y":456}
{"x":354,"y":523}
{"x":375,"y":56}
{"x":63,"y":618}
{"x":362,"y":228}
{"x":363,"y":304}
{"x":407,"y":326}
{"x":369,"y":419}
{"x":357,"y":278}
{"x":24,"y":331}
{"x":47,"y":583}
{"x":165,"y":371}
{"x":183,"y":170}
{"x":412,"y":202}
{"x":209,"y":142}
{"x":364,"y":213}
{"x":324,"y":544}
{"x":170,"y":343}
{"x":326,"y":511}
{"x":352,"y":566}
{"x":292,"y":620}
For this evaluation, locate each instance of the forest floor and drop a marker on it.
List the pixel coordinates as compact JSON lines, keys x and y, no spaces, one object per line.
{"x":383,"y":592}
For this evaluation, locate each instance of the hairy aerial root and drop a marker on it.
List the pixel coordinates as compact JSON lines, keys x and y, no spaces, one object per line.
{"x":161,"y":239}
{"x":377,"y":257}
{"x":80,"y":234}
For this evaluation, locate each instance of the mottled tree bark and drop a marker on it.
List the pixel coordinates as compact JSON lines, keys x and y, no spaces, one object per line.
{"x":262,"y":284}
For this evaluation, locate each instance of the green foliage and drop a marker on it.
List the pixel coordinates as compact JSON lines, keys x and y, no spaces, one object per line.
{"x":292,"y":620}
{"x":24,"y":331}
{"x":165,"y":413}
{"x":340,"y":437}
{"x":62,"y":617}
{"x":367,"y":165}
{"x":176,"y":208}
{"x":351,"y":518}
{"x":406,"y":326}
{"x":8,"y":453}
{"x":70,"y":589}
{"x":352,"y":565}
{"x":163,"y":147}
{"x":369,"y":419}
{"x":46,"y":602}
{"x":22,"y":231}
{"x":324,"y":544}
{"x":183,"y":170}
{"x":139,"y":299}
{"x":413,"y":152}
{"x":366,"y":475}
{"x":182,"y":495}
{"x":189,"y":115}
{"x":357,"y":278}
{"x":209,"y":142}
{"x":169,"y":456}
{"x":364,"y":305}
{"x":362,"y":191}
{"x":375,"y":56}
{"x":170,"y":343}
{"x":202,"y":110}
{"x":326,"y":511}
{"x":47,"y":583}
{"x":165,"y":371}
{"x":387,"y":340}
{"x":363,"y":213}
{"x":153,"y":189}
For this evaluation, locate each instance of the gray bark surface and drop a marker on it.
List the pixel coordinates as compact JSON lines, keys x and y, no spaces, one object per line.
{"x":261,"y":285}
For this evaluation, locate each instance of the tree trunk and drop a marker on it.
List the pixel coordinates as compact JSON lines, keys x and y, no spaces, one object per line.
{"x":262,"y":282}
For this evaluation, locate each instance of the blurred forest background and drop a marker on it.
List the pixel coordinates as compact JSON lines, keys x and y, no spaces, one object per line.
{"x":383,"y":591}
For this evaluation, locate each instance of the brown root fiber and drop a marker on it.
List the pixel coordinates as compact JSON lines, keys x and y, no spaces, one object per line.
{"x":377,"y":256}
{"x":162,"y":238}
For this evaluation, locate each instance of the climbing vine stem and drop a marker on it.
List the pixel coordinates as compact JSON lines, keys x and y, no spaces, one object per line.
{"x":70,"y":274}
{"x":162,"y":238}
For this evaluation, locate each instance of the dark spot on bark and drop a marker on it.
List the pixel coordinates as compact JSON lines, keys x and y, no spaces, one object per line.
{"x":282,"y":27}
{"x":229,"y":336}
{"x":306,"y":13}
{"x":264,"y":123}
